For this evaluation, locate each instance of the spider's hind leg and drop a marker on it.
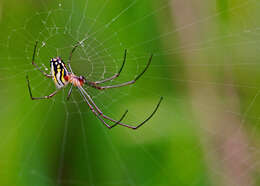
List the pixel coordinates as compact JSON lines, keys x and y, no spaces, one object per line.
{"x":36,"y":66}
{"x":37,"y":98}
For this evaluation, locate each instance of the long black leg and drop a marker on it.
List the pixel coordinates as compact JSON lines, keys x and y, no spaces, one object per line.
{"x":120,"y":119}
{"x":70,"y":57}
{"x":119,"y":122}
{"x":115,"y":75}
{"x":98,"y":115}
{"x":37,"y":98}
{"x":36,"y":66}
{"x":94,"y":85}
{"x":70,"y":91}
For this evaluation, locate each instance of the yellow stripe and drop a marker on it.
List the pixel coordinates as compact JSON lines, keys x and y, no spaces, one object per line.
{"x":53,"y":75}
{"x":58,"y":69}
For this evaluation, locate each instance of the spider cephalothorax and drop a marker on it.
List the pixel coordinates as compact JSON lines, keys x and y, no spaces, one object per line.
{"x":62,"y":76}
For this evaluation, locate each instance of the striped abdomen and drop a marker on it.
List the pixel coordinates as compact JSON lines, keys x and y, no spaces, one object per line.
{"x":59,"y":72}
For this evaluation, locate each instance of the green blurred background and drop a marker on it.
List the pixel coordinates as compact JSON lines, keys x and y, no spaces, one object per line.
{"x":205,"y":65}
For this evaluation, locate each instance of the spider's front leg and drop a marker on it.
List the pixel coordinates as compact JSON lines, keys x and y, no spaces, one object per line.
{"x":100,"y":114}
{"x":115,"y":75}
{"x":95,"y":84}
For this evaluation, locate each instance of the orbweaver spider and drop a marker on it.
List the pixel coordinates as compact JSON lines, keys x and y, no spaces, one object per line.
{"x":62,"y":77}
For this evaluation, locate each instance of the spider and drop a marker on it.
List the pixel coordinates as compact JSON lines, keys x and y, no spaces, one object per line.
{"x":62,"y":76}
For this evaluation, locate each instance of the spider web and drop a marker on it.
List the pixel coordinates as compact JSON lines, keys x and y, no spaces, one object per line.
{"x":206,"y":129}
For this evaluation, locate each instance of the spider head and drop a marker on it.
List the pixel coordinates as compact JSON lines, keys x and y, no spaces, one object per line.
{"x":82,"y":79}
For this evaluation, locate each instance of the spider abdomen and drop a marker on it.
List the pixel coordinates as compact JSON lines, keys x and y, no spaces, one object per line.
{"x":59,"y":72}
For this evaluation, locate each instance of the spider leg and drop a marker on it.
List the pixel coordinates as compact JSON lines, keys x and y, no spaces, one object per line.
{"x":140,"y":124}
{"x":98,"y":115}
{"x":70,"y":57}
{"x":69,"y":93}
{"x":115,"y":75}
{"x":119,"y":122}
{"x":94,"y":85}
{"x":36,"y":66}
{"x":37,"y":98}
{"x":120,"y":119}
